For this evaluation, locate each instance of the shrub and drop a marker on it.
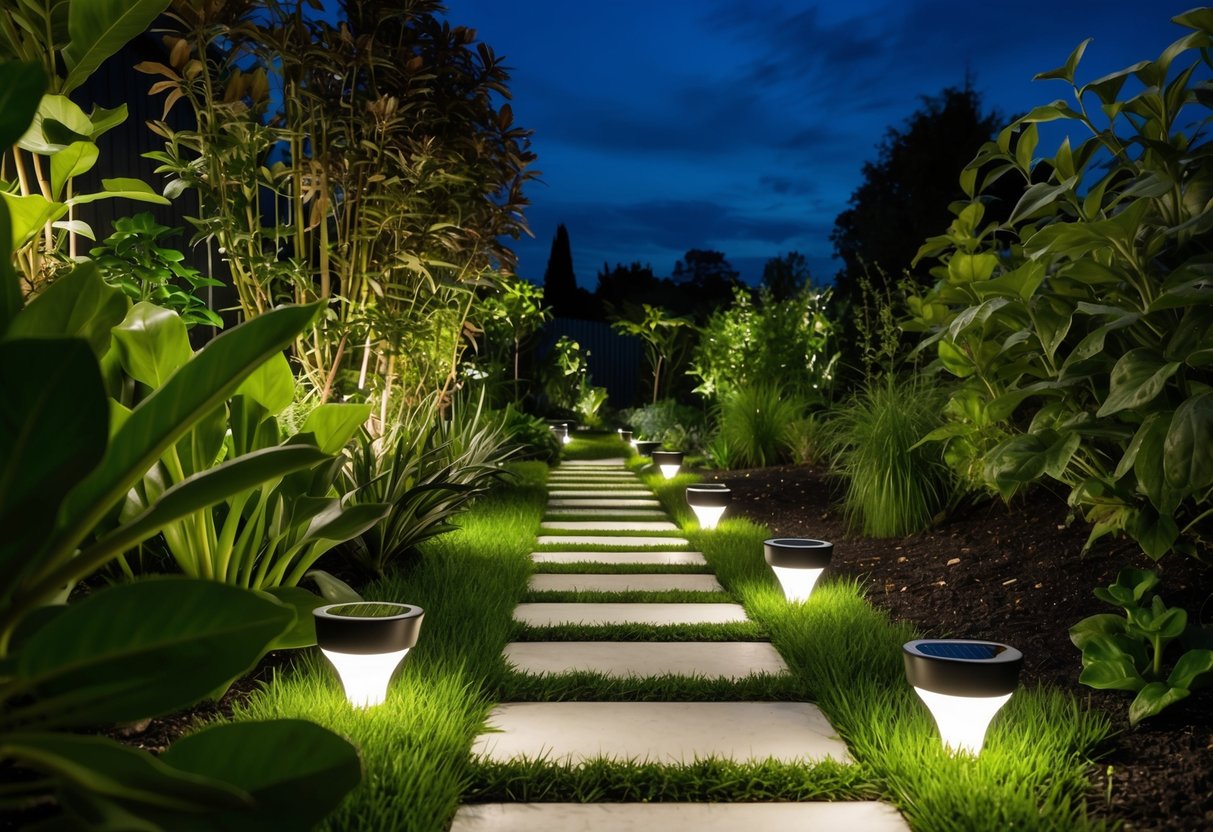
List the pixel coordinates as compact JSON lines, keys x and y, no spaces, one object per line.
{"x":756,"y":423}
{"x":894,"y":485}
{"x":667,"y":422}
{"x":529,"y":437}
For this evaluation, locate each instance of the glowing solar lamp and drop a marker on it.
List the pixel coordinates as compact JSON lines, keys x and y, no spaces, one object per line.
{"x":668,"y":461}
{"x":797,"y":562}
{"x":645,"y":447}
{"x":963,"y":683}
{"x":625,"y":436}
{"x":562,"y":433}
{"x":708,"y":500}
{"x":365,"y":642}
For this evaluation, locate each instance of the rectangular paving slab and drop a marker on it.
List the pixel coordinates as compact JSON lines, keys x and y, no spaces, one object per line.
{"x":714,"y":659}
{"x":853,"y":816}
{"x":604,"y":502}
{"x":624,"y":583}
{"x":614,"y":493}
{"x":660,"y":732}
{"x":608,"y":540}
{"x":655,"y":558}
{"x":610,"y":525}
{"x":547,"y":615}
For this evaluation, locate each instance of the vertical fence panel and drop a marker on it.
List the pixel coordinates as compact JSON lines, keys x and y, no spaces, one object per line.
{"x":614,"y":359}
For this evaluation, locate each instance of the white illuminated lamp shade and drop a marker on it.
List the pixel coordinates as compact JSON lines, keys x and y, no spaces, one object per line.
{"x":562,"y":433}
{"x":797,"y":562}
{"x":708,"y":500}
{"x":964,"y":684}
{"x":625,"y":436}
{"x":365,"y":641}
{"x":564,"y":437}
{"x":645,"y":447}
{"x":668,"y":461}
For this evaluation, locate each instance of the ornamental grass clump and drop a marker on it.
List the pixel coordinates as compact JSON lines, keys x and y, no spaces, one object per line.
{"x":756,"y":422}
{"x":894,"y":486}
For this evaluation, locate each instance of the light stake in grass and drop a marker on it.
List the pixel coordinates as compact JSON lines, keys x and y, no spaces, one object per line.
{"x":645,"y":447}
{"x":625,"y":436}
{"x":669,"y":462}
{"x":365,"y":642}
{"x":964,"y":684}
{"x":797,"y":562}
{"x":708,"y":500}
{"x":562,"y":433}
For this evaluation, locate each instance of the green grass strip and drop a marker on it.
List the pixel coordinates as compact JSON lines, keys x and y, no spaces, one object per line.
{"x":732,"y":631}
{"x":586,"y":686}
{"x":639,"y":596}
{"x":592,"y":567}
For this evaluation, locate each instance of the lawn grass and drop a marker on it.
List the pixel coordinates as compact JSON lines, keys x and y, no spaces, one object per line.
{"x":664,"y":596}
{"x":587,"y":686}
{"x":584,"y":567}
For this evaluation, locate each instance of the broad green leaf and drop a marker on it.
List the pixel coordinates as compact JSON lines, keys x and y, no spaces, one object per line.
{"x":76,"y":227}
{"x":143,"y":649}
{"x":1134,"y":447}
{"x":1019,"y":460}
{"x":78,"y":305}
{"x":1051,"y":318}
{"x":152,"y":343}
{"x":28,"y":215}
{"x":57,"y":122}
{"x":1020,"y":282}
{"x":271,"y":385}
{"x":334,"y":424}
{"x":1156,"y":533}
{"x":1148,"y":466}
{"x":1188,"y":450}
{"x":72,"y":161}
{"x":11,"y":299}
{"x":333,"y":589}
{"x":1025,"y":146}
{"x":1108,"y":86}
{"x":1058,"y":456}
{"x":276,"y":762}
{"x":1137,"y":378}
{"x":100,"y":766}
{"x":53,"y":431}
{"x":168,"y":413}
{"x":303,"y":633}
{"x":1152,"y":699}
{"x":1038,"y":197}
{"x":970,"y":268}
{"x":21,"y":89}
{"x":955,"y":360}
{"x":104,"y":120}
{"x":1112,"y":675}
{"x":1193,"y":670}
{"x":1103,"y":624}
{"x":121,"y":189}
{"x":99,"y":28}
{"x":1200,"y":19}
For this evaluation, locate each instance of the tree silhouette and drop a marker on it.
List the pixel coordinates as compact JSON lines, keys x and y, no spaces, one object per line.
{"x":560,"y":288}
{"x":784,"y":276}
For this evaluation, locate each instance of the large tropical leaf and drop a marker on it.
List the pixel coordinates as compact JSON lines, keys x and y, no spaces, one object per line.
{"x":21,"y":88}
{"x":78,"y":305}
{"x":99,"y":28}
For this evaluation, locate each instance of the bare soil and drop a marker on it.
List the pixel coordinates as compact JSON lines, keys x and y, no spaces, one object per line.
{"x":1017,"y":574}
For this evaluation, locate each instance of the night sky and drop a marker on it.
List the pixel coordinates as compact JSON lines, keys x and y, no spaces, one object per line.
{"x":743,"y":125}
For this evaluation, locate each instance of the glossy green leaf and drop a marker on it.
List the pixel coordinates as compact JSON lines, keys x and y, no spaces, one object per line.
{"x":335,"y":424}
{"x":121,"y":189}
{"x":99,"y":28}
{"x":100,"y":766}
{"x":1188,"y":450}
{"x":78,"y":305}
{"x":970,"y":268}
{"x":1066,"y":71}
{"x":28,"y":215}
{"x":75,"y":159}
{"x":1112,"y":674}
{"x":152,"y":343}
{"x":1193,"y":670}
{"x":53,"y":431}
{"x":1018,"y":460}
{"x":21,"y":89}
{"x":333,"y":589}
{"x":1156,"y":533}
{"x":303,"y":633}
{"x":1134,"y":447}
{"x":1137,"y":379}
{"x":169,"y":412}
{"x":1152,"y":699}
{"x":297,"y":772}
{"x":57,"y":122}
{"x":1037,"y":198}
{"x":143,"y":649}
{"x":1102,"y":624}
{"x":271,"y":385}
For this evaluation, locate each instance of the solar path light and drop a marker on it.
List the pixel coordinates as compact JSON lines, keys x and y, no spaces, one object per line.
{"x":797,"y":562}
{"x":365,"y":641}
{"x":645,"y":447}
{"x":625,"y":436}
{"x":669,"y":462}
{"x":963,"y":683}
{"x":708,"y":500}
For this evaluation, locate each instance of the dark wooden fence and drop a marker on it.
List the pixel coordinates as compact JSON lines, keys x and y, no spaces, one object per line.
{"x":614,"y":360}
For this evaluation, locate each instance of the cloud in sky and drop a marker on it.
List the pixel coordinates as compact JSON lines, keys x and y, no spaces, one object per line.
{"x":743,"y":125}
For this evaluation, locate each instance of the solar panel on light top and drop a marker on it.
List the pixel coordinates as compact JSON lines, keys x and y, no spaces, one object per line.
{"x":954,"y":650}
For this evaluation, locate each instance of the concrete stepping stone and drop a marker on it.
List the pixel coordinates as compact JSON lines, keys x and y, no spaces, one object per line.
{"x":550,"y":615}
{"x":609,"y":540}
{"x":629,"y":513}
{"x":585,"y":493}
{"x":713,"y":659}
{"x":615,"y":462}
{"x":623,"y":583}
{"x":659,"y":732}
{"x":853,"y":816}
{"x":610,"y":525}
{"x":605,"y":502}
{"x":653,"y":558}
{"x":590,"y":472}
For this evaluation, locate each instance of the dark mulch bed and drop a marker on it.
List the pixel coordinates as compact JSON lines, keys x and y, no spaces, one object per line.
{"x":1016,"y":575}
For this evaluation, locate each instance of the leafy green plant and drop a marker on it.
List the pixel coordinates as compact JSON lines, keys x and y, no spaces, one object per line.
{"x":894,"y":484}
{"x":786,"y":342}
{"x":756,"y":422}
{"x":564,"y":374}
{"x":590,"y":400}
{"x":1127,"y":652}
{"x":509,"y":317}
{"x":133,"y":259}
{"x":1080,"y":327}
{"x":665,"y":342}
{"x":666,"y":421}
{"x":529,"y":437}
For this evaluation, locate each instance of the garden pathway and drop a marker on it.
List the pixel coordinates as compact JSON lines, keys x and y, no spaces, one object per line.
{"x":603,"y":496}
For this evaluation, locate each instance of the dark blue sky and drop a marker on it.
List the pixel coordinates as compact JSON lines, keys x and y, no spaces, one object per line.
{"x":743,"y":125}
